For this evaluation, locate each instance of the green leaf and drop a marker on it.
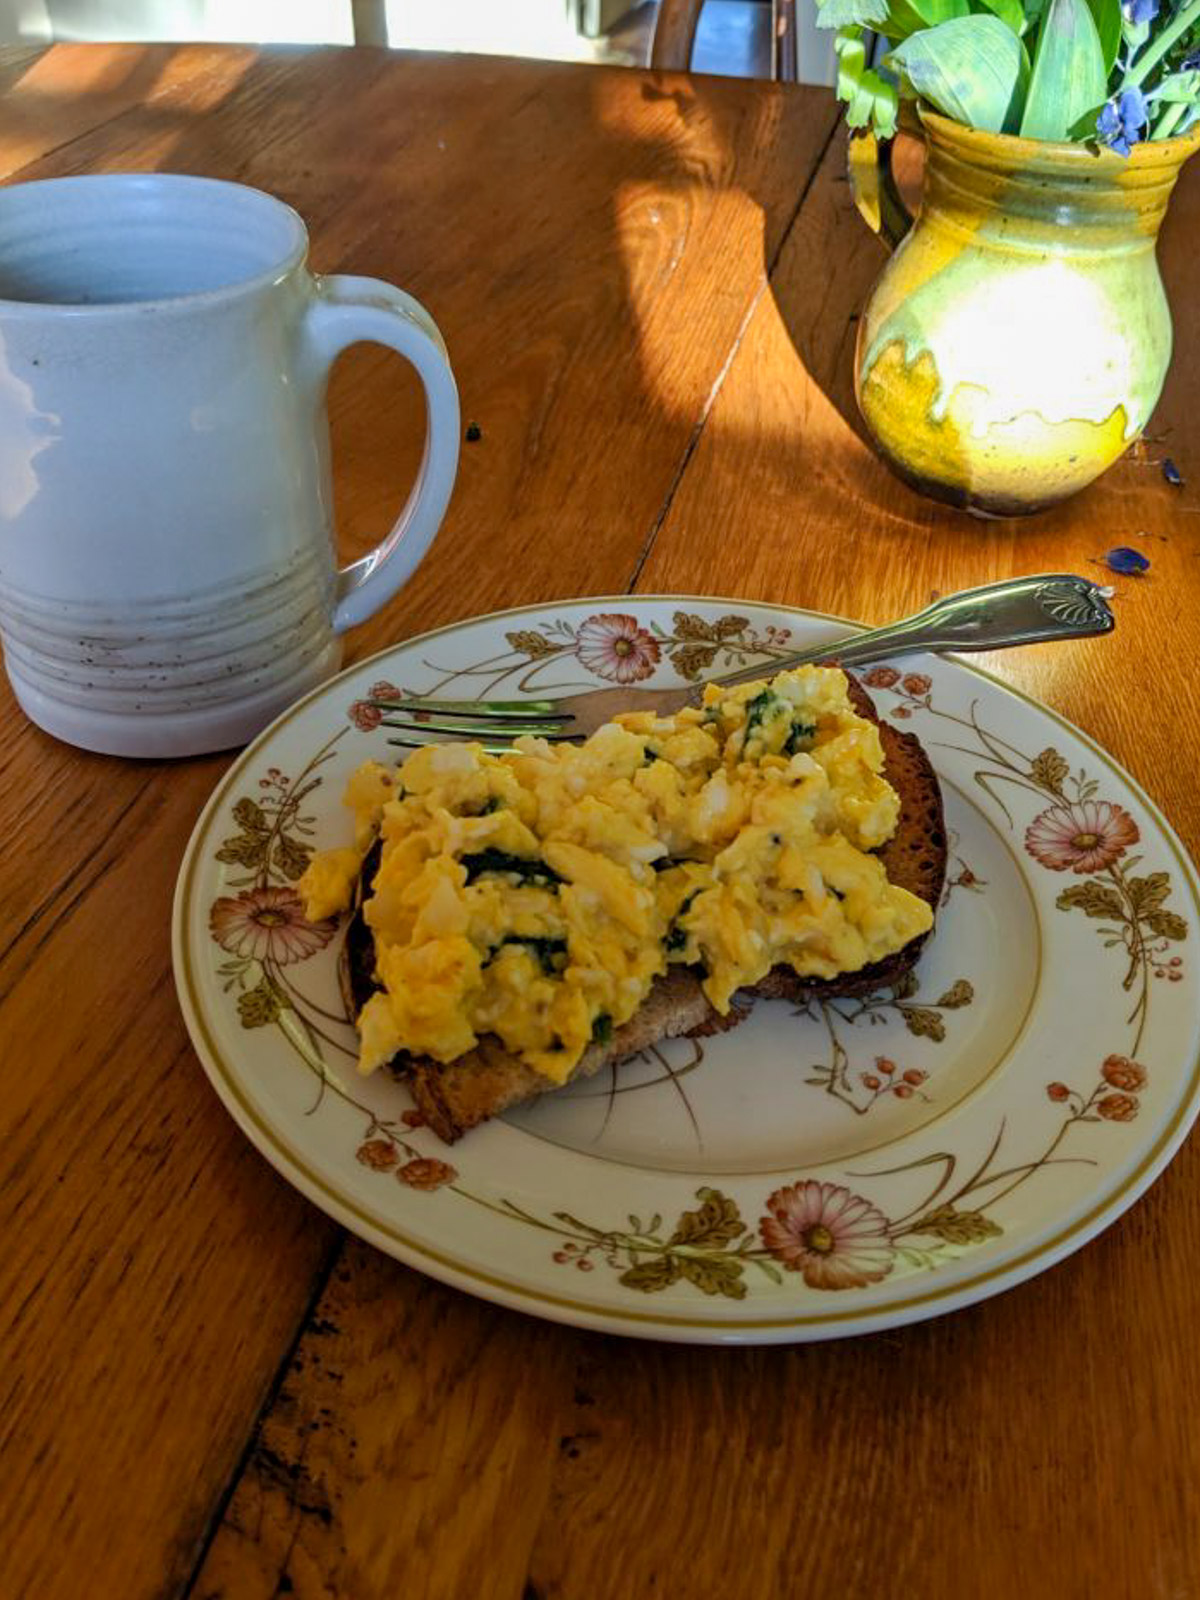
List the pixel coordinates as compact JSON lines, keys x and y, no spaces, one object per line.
{"x":1106,"y":14}
{"x":847,"y":13}
{"x":534,"y":645}
{"x":727,"y":627}
{"x":660,"y":1272}
{"x":957,"y":1227}
{"x":1012,"y":14}
{"x":530,"y":869}
{"x":246,"y":850}
{"x":971,"y":69}
{"x":958,"y":994}
{"x":1069,"y":75}
{"x":912,"y":16}
{"x":1049,"y":770}
{"x":250,"y":817}
{"x":1135,"y":35}
{"x":908,"y":985}
{"x":714,"y":1275}
{"x":1166,"y":925}
{"x":692,"y":659}
{"x":689,"y":626}
{"x":1093,"y":899}
{"x":1148,"y":893}
{"x":1179,"y":88}
{"x":716,"y":1222}
{"x":260,"y":1006}
{"x":291,"y":857}
{"x":931,"y":12}
{"x":870,"y":100}
{"x":925,"y":1024}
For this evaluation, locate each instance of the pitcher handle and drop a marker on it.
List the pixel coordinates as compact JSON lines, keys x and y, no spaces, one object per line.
{"x":349,"y":310}
{"x":873,"y":185}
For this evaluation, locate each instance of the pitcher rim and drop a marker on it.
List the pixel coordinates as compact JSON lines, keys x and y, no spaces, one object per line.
{"x":292,"y":256}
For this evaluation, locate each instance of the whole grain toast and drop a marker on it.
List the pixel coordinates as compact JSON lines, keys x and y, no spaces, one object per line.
{"x":457,"y":1095}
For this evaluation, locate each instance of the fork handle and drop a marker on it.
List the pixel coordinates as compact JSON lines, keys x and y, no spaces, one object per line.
{"x":994,"y":617}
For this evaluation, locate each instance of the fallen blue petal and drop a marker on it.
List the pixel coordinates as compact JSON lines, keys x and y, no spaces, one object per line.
{"x":1172,"y":473}
{"x":1127,"y":561}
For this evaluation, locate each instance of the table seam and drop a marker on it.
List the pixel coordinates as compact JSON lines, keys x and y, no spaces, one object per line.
{"x":261,"y":1416}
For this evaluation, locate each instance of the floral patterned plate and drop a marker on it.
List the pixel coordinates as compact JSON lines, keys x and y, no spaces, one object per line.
{"x":855,"y":1165}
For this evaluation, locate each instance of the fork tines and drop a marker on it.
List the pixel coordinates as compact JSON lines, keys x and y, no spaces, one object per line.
{"x":485,"y":720}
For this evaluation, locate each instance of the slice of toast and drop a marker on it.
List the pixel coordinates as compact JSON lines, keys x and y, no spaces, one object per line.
{"x":457,"y":1095}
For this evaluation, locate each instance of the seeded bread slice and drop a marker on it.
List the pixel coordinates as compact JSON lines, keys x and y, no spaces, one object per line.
{"x":457,"y":1095}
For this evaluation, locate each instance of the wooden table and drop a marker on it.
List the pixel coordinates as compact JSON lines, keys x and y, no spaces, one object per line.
{"x":648,"y":287}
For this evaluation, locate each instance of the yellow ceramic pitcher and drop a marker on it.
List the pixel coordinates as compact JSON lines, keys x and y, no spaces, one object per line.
{"x":1018,"y":339}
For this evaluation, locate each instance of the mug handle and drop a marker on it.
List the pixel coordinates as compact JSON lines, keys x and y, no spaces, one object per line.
{"x":351,"y":310}
{"x":873,"y":186}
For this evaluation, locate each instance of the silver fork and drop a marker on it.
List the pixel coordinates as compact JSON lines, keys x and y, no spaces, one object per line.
{"x":994,"y":617}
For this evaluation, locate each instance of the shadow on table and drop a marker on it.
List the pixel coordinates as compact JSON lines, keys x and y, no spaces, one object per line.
{"x":574,"y":231}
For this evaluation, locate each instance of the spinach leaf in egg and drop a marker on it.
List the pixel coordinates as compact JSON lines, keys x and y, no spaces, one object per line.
{"x":800,"y":738}
{"x":550,"y":954}
{"x":765,"y":707}
{"x":530,"y":869}
{"x":676,"y":936}
{"x":602,"y":1028}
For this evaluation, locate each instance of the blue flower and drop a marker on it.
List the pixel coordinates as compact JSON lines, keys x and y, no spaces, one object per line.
{"x":1128,"y":562}
{"x":1139,"y":11}
{"x":1122,"y":122}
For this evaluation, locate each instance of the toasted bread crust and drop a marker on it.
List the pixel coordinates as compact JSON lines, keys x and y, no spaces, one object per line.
{"x":488,"y":1080}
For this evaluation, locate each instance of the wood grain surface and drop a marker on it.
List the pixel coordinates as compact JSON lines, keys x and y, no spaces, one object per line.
{"x":648,"y":286}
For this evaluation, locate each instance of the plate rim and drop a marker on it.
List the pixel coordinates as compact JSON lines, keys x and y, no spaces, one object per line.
{"x":661,"y":1325}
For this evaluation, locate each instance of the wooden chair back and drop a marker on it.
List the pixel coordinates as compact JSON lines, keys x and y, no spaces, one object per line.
{"x":675,"y":37}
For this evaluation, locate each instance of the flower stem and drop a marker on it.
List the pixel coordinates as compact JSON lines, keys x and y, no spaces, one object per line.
{"x":1167,"y":123}
{"x":1154,"y":53}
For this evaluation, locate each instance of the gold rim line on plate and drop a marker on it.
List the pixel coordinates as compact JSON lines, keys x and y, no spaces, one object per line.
{"x":590,"y":1308}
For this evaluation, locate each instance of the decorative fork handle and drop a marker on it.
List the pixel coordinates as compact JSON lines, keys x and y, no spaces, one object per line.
{"x":995,"y":617}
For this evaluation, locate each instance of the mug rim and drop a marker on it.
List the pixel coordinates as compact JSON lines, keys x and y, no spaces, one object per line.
{"x":190,"y":300}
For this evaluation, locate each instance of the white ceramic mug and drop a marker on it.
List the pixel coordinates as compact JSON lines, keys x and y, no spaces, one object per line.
{"x":168,"y":581}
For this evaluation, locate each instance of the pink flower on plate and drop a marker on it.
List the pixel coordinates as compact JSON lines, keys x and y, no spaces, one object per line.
{"x":426,"y":1172}
{"x":881,"y":678}
{"x":380,"y":1155}
{"x":1123,"y":1073}
{"x":613,"y":646}
{"x":1118,"y":1107}
{"x":1086,"y":838}
{"x":836,"y":1239}
{"x":268,"y":924}
{"x":367,"y":717}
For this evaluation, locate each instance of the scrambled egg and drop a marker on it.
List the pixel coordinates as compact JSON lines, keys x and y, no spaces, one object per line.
{"x":536,"y":896}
